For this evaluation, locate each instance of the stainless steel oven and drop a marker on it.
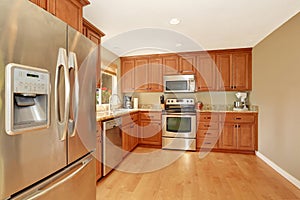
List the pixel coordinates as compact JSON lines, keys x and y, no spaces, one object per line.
{"x":179,"y":125}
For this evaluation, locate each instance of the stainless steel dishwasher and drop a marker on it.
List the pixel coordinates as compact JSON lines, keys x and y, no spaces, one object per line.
{"x":112,"y":144}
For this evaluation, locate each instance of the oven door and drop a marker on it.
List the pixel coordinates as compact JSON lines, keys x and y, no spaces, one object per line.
{"x":179,"y":125}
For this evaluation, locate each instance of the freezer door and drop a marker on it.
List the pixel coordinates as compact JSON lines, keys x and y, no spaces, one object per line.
{"x":83,"y":56}
{"x":29,"y":36}
{"x":75,"y":182}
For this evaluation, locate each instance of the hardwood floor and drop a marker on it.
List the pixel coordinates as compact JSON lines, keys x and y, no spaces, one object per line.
{"x":216,"y":176}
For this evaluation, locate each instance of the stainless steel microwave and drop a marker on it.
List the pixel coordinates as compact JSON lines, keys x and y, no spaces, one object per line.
{"x":179,"y":83}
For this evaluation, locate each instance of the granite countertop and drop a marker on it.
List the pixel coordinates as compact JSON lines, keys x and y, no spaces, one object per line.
{"x":105,"y":115}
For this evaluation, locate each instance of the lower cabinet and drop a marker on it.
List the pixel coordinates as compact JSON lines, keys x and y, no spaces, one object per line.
{"x":129,"y":132}
{"x":150,"y":129}
{"x":99,"y":153}
{"x":236,"y":132}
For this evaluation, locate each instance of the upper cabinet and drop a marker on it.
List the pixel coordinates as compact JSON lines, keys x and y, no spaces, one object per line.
{"x":171,"y":64}
{"x":235,"y":70}
{"x":70,"y":11}
{"x":219,"y":70}
{"x":92,"y":32}
{"x":205,"y":72}
{"x":142,"y":74}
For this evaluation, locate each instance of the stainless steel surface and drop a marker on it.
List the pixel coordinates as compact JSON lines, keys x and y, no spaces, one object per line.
{"x":62,"y":86}
{"x":66,"y":183}
{"x":112,"y":153}
{"x":191,"y":118}
{"x":179,"y":144}
{"x":73,"y":66}
{"x":179,"y":83}
{"x":30,"y":36}
{"x":27,"y":95}
{"x":87,"y":58}
{"x":238,"y":104}
{"x":179,"y":124}
{"x":127,"y":102}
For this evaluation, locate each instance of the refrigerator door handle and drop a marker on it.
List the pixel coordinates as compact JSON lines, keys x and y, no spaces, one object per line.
{"x":72,"y":122}
{"x":51,"y":185}
{"x":62,"y":121}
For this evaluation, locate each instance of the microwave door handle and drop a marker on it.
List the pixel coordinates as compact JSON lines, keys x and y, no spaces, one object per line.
{"x":62,"y":122}
{"x":72,"y":122}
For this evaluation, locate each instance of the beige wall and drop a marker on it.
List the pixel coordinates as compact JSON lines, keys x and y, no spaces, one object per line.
{"x":276,"y":89}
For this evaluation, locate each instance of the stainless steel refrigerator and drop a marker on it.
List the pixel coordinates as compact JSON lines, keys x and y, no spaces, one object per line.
{"x":47,"y":106}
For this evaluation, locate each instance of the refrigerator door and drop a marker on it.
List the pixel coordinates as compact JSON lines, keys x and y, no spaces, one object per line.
{"x":79,"y":176}
{"x":83,"y":56}
{"x":32,"y":37}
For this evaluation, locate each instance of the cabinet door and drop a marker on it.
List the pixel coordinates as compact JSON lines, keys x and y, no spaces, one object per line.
{"x":245,"y":137}
{"x":69,"y":11}
{"x":126,"y":139}
{"x":134,"y":138}
{"x":228,"y":138}
{"x":187,"y":64}
{"x":170,"y":64}
{"x":45,"y":4}
{"x":141,"y":74}
{"x":240,"y":67}
{"x":224,"y":63}
{"x":127,"y":75}
{"x":205,"y":75}
{"x":150,"y":133}
{"x":155,"y":75}
{"x":98,"y":158}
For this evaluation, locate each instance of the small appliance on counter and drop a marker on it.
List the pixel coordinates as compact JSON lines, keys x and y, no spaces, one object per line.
{"x":162,"y":101}
{"x":240,"y":104}
{"x":135,"y":103}
{"x":127,"y":102}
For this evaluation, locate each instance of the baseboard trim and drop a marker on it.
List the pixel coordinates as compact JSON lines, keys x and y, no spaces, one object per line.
{"x":282,"y":172}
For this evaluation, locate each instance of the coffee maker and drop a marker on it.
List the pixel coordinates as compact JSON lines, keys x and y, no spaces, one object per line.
{"x":240,"y":104}
{"x":127,"y":103}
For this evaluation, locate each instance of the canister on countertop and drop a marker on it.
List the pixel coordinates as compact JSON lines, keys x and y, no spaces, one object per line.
{"x":199,"y":105}
{"x":135,"y":103}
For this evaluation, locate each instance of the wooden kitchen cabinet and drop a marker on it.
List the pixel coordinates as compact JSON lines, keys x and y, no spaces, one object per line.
{"x":150,"y":129}
{"x":207,"y":130}
{"x":235,"y":70}
{"x":127,"y":75}
{"x":92,"y":32}
{"x":144,"y":74}
{"x":155,"y":72}
{"x":45,"y":4}
{"x":141,"y":74}
{"x":98,"y":152}
{"x":206,"y":72}
{"x":171,"y":64}
{"x":239,"y":132}
{"x":187,"y":63}
{"x":70,"y":11}
{"x":129,"y":132}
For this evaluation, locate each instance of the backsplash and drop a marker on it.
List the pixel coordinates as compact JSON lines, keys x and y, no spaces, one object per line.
{"x":207,"y":98}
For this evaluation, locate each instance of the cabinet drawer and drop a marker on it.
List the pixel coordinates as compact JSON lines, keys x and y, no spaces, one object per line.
{"x":98,"y":129}
{"x":150,"y":116}
{"x":239,"y":118}
{"x":207,"y":125}
{"x":207,"y":142}
{"x":207,"y":117}
{"x":126,"y":119}
{"x":207,"y":133}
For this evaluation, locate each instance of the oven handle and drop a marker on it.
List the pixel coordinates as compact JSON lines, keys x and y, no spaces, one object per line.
{"x":179,"y":114}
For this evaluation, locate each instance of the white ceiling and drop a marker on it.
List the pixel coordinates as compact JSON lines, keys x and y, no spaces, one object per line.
{"x":140,"y":26}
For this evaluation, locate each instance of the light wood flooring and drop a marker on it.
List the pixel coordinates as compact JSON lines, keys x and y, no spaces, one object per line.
{"x":216,"y":176}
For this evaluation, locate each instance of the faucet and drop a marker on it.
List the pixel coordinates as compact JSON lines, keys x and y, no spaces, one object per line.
{"x":110,"y":102}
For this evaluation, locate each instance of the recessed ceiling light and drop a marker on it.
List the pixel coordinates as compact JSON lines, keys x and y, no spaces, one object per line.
{"x":178,"y":45}
{"x":174,"y":21}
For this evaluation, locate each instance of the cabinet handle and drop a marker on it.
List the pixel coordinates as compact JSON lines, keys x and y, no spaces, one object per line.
{"x":207,"y":117}
{"x":207,"y":126}
{"x":238,"y":118}
{"x":131,"y":126}
{"x":207,"y":142}
{"x":207,"y":133}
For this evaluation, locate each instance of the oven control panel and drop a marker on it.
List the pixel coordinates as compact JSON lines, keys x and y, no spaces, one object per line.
{"x":180,"y":102}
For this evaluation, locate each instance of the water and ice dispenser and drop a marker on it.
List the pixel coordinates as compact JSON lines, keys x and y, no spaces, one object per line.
{"x":27,"y":93}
